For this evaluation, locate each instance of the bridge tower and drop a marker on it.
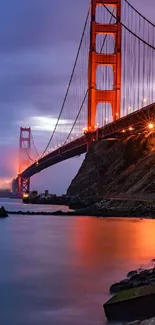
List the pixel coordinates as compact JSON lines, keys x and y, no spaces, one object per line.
{"x":24,"y":153}
{"x":96,"y":96}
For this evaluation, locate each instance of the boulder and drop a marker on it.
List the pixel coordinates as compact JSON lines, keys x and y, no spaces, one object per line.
{"x":123,"y":285}
{"x":3,"y":212}
{"x":131,"y":273}
{"x":150,"y":321}
{"x":132,"y":304}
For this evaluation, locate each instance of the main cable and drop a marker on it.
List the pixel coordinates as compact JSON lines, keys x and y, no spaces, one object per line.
{"x":85,"y":96}
{"x":70,"y":81}
{"x":139,"y":13}
{"x":130,"y":31}
{"x":34,"y":144}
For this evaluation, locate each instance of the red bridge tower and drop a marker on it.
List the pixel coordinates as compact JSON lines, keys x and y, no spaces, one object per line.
{"x":96,"y":96}
{"x":24,"y":160}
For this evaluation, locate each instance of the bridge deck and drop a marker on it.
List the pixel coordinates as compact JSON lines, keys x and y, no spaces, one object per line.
{"x":137,"y":120}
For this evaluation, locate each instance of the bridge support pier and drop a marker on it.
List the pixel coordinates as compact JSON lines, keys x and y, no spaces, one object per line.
{"x":96,"y":96}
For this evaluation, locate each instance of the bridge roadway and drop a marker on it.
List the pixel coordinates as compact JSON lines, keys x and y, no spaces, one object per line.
{"x":132,"y":123}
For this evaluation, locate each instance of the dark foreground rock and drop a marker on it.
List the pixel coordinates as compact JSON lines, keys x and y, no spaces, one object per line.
{"x":132,"y":304}
{"x":132,"y":273}
{"x":3,"y":212}
{"x":137,"y":279}
{"x":150,"y":321}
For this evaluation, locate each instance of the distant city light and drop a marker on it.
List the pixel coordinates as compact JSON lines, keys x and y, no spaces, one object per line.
{"x":130,"y":128}
{"x":123,"y":131}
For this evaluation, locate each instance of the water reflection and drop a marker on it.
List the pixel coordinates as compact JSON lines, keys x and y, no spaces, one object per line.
{"x":57,"y":270}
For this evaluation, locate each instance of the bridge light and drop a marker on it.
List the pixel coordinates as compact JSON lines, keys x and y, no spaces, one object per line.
{"x":25,"y":196}
{"x":144,"y":100}
{"x":130,"y":128}
{"x":129,"y":108}
{"x":150,"y":126}
{"x":37,"y":163}
{"x":123,"y":131}
{"x":116,"y":114}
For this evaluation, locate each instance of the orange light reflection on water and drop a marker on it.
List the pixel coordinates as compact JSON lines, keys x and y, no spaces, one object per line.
{"x":132,"y":240}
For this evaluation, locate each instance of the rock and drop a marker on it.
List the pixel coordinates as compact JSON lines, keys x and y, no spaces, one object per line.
{"x":150,"y":321}
{"x":3,"y":212}
{"x":139,"y":279}
{"x":131,"y":273}
{"x":123,"y":285}
{"x":131,"y":304}
{"x":135,"y":322}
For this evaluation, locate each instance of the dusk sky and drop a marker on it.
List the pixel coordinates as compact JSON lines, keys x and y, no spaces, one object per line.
{"x":38,"y":44}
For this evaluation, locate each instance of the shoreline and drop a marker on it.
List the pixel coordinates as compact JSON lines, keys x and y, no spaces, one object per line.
{"x":121,"y":208}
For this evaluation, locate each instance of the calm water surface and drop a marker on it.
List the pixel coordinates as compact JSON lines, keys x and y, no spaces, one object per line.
{"x":58,"y":270}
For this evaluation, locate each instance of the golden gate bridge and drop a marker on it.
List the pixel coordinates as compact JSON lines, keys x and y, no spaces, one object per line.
{"x":111,"y":91}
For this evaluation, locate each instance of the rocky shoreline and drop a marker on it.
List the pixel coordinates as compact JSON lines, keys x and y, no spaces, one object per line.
{"x":133,"y":298}
{"x":106,"y":208}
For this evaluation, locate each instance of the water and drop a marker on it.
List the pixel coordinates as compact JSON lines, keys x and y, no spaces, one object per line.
{"x":58,"y":270}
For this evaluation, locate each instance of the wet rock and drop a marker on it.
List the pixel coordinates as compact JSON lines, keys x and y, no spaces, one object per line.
{"x":131,"y":304}
{"x":140,"y":279}
{"x":150,"y":321}
{"x":135,"y":322}
{"x":3,"y":212}
{"x":131,"y":273}
{"x":120,"y":286}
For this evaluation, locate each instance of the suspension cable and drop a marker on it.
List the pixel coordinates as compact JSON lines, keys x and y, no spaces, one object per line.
{"x":70,"y":81}
{"x":85,"y":96}
{"x":28,"y":153}
{"x":130,"y":31}
{"x":77,"y":116}
{"x":139,"y":13}
{"x":34,"y":144}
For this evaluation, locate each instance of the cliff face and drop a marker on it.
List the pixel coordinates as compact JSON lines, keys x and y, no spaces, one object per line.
{"x":114,"y":168}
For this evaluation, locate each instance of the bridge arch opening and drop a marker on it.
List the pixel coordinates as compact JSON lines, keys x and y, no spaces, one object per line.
{"x":104,"y":77}
{"x":103,"y":16}
{"x":103,"y":114}
{"x":105,"y":43}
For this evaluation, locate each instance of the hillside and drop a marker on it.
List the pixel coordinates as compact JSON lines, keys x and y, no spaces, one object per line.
{"x":116,"y":168}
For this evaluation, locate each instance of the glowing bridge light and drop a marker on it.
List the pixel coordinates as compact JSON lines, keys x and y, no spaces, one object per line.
{"x":123,"y":131}
{"x":150,"y":126}
{"x":144,"y":100}
{"x":130,"y":128}
{"x":129,"y":108}
{"x":37,"y":163}
{"x":25,"y":196}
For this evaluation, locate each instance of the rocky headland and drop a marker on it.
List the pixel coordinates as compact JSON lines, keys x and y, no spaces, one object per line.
{"x":117,"y":178}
